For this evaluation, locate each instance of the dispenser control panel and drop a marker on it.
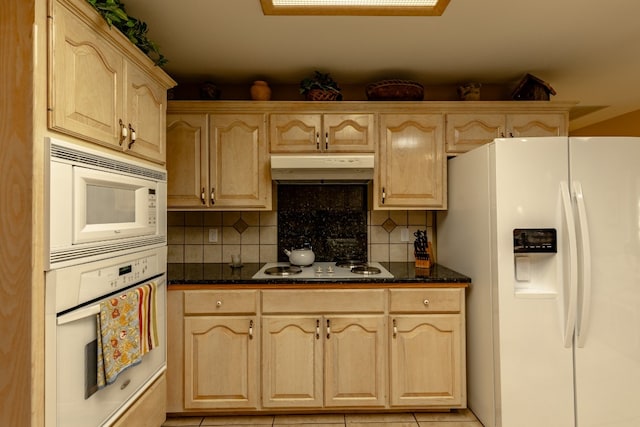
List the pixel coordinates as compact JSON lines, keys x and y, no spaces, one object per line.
{"x":535,"y":240}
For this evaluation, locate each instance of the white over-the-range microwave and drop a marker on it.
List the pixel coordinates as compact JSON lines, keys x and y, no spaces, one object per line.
{"x":100,"y":205}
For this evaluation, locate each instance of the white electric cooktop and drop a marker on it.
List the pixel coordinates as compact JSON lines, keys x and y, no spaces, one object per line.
{"x":323,"y":270}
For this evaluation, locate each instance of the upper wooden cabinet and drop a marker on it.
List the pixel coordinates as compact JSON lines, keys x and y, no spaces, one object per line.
{"x":187,"y":144}
{"x":101,"y":87}
{"x":469,"y":130}
{"x":411,"y":163}
{"x":312,"y":133}
{"x":217,"y":161}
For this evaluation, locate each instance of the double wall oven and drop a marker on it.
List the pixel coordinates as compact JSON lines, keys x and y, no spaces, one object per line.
{"x":106,"y":235}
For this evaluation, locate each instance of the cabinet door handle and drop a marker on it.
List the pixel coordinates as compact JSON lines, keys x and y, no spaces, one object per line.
{"x":213,"y":196}
{"x":328,"y":328}
{"x":317,"y":140}
{"x":132,"y":137}
{"x":317,"y":329}
{"x":202,"y":197}
{"x":395,"y":328}
{"x":124,"y":132}
{"x":326,"y":141}
{"x":384,"y":195}
{"x":426,"y":302}
{"x":251,"y":329}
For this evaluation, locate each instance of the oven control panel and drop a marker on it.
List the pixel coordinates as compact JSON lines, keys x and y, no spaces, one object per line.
{"x":113,"y":277}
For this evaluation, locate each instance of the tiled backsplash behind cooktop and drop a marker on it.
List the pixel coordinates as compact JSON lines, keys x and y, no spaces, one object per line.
{"x":332,"y":218}
{"x":260,"y":236}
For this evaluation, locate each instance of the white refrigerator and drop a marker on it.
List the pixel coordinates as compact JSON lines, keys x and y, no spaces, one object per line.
{"x":548,"y":229}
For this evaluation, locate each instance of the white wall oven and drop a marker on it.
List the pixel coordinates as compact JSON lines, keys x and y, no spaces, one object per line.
{"x":75,"y":300}
{"x":100,"y":204}
{"x":105,"y":283}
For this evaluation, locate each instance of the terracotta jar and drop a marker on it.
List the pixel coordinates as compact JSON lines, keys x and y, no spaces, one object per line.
{"x":260,"y":91}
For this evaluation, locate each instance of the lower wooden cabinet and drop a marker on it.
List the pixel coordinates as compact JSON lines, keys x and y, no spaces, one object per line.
{"x":247,"y":351}
{"x":425,"y":361}
{"x":221,"y":349}
{"x":221,"y":362}
{"x":323,"y":361}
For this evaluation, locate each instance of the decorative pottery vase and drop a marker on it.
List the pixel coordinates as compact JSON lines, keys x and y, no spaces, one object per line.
{"x":469,"y":91}
{"x":260,"y":91}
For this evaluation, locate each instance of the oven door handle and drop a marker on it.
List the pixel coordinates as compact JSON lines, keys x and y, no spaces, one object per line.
{"x":79,"y":314}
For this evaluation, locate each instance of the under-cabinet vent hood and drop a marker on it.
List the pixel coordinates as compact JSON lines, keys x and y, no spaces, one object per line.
{"x":322,"y":167}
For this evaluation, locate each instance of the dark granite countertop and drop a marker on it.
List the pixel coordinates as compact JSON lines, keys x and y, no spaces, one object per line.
{"x":223,"y":274}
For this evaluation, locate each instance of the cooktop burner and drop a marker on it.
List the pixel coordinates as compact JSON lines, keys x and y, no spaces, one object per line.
{"x":283,"y":270}
{"x":350,"y":263}
{"x":323,"y":271}
{"x":365,"y":270}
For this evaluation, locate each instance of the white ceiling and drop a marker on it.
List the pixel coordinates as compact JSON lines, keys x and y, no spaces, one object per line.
{"x":587,"y":50}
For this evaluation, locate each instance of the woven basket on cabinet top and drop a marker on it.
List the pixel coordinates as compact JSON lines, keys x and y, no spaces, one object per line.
{"x":323,"y":95}
{"x":395,"y":90}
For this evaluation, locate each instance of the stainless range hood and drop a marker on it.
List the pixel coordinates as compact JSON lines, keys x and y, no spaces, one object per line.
{"x":322,"y":167}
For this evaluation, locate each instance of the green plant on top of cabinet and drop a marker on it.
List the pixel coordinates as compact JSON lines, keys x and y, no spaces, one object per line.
{"x":411,"y":163}
{"x":467,"y":131}
{"x":102,"y":88}
{"x":217,"y":161}
{"x":318,"y":133}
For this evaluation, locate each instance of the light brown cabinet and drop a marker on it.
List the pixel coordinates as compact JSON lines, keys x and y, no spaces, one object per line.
{"x":315,"y":132}
{"x":221,"y":350}
{"x":218,"y":161}
{"x":101,"y":88}
{"x":316,"y":349}
{"x":467,"y":131}
{"x":427,"y":357}
{"x":316,"y":360}
{"x":411,"y":163}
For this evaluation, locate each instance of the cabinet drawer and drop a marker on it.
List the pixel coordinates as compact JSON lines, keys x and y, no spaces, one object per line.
{"x":324,"y":301}
{"x":220,"y":302}
{"x":425,"y":300}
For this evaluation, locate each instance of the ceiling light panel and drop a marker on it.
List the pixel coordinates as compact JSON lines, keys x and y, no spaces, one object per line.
{"x":354,"y":7}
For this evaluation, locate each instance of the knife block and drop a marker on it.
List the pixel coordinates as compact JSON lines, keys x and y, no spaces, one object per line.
{"x":424,"y":259}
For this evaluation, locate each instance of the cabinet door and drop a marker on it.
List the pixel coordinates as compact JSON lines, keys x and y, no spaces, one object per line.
{"x":187,"y":168}
{"x":411,"y":166}
{"x":468,"y":131}
{"x":239,"y":175}
{"x":355,"y":370}
{"x":86,"y":82}
{"x":220,"y":362}
{"x":291,"y":362}
{"x":348,"y":133}
{"x":146,"y":111}
{"x":426,"y":360}
{"x":520,"y":125}
{"x":295,"y":133}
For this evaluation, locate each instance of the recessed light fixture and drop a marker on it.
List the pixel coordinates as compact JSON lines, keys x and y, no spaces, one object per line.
{"x":354,"y":7}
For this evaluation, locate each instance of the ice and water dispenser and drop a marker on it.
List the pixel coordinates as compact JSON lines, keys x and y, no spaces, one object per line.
{"x":533,"y":250}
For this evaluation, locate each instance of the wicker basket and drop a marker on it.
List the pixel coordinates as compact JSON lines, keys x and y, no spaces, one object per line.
{"x":323,"y":95}
{"x":395,"y":90}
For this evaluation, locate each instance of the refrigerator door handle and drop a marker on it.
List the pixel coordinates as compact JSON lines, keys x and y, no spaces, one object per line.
{"x":583,"y":320}
{"x":570,"y":320}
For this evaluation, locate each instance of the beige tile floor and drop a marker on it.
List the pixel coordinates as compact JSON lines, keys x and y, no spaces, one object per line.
{"x":462,"y":418}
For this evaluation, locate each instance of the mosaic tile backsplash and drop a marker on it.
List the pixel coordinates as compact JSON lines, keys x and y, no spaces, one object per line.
{"x":331,"y":218}
{"x":188,"y":235}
